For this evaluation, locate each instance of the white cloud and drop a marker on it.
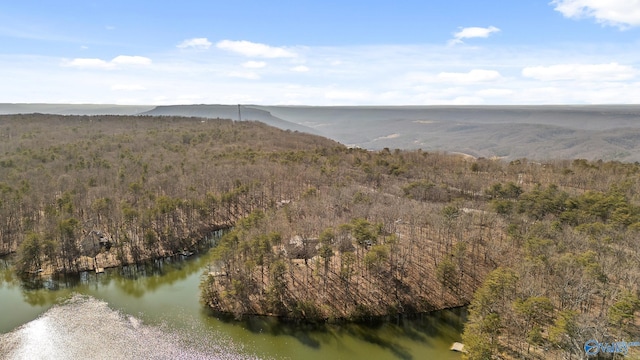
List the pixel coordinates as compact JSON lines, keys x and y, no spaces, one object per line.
{"x":300,"y":68}
{"x":195,"y":43}
{"x":92,"y":63}
{"x":580,"y":72}
{"x":619,"y":13}
{"x":250,"y":75}
{"x":472,"y":32}
{"x":89,"y":63}
{"x":131,"y":60}
{"x":473,"y":76}
{"x":252,"y":49}
{"x":254,"y":64}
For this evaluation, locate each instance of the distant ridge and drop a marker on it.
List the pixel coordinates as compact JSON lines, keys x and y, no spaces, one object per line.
{"x":607,"y":132}
{"x":227,"y":112}
{"x":593,"y":132}
{"x":73,"y":109}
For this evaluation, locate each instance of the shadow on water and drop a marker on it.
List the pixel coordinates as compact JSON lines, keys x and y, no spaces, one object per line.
{"x":134,"y":280}
{"x":46,"y":291}
{"x":384,"y":333}
{"x":141,"y":279}
{"x":421,"y":328}
{"x":303,"y":332}
{"x":7,"y":276}
{"x":385,"y":343}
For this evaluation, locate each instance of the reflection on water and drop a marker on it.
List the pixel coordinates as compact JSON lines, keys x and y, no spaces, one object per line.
{"x":154,"y":311}
{"x":65,"y":331}
{"x":424,"y":336}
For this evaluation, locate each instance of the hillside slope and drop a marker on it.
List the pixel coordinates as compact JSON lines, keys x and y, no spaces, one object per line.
{"x":510,"y":132}
{"x":227,"y":112}
{"x":534,"y":132}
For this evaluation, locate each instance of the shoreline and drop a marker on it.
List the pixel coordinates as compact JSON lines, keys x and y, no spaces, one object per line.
{"x":229,"y":316}
{"x":109,"y":259}
{"x":321,"y":322}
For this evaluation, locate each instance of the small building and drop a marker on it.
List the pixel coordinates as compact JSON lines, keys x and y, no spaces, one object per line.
{"x":301,"y":248}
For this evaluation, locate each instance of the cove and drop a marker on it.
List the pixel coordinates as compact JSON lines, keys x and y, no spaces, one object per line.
{"x":154,"y":311}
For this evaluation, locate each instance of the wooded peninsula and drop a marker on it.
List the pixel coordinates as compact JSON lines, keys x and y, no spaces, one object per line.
{"x":545,"y":254}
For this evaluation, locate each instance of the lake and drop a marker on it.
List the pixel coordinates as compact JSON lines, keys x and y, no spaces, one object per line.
{"x":153,"y":311}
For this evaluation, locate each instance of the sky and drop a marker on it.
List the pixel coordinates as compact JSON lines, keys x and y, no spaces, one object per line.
{"x":331,"y":52}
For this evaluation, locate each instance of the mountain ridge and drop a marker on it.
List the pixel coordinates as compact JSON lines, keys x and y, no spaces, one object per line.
{"x":539,"y":132}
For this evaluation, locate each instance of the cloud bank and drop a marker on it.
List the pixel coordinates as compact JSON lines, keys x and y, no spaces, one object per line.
{"x":580,"y":72}
{"x":242,"y":71}
{"x":118,"y":61}
{"x":618,"y":13}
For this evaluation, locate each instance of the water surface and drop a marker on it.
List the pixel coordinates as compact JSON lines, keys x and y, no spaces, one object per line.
{"x":154,"y":312}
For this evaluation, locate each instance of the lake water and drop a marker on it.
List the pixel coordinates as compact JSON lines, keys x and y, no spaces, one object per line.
{"x":154,"y":313}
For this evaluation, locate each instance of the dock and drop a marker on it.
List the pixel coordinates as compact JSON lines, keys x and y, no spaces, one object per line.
{"x":459,"y":347}
{"x":99,"y":270}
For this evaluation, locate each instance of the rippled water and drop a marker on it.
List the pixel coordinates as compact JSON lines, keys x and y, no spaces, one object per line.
{"x":64,"y":332}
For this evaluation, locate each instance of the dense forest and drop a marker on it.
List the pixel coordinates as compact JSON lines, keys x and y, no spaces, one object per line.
{"x":546,"y":254}
{"x":80,"y":192}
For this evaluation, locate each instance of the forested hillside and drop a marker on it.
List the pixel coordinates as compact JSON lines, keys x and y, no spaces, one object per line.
{"x":546,"y":254}
{"x":575,"y":241}
{"x":80,"y":192}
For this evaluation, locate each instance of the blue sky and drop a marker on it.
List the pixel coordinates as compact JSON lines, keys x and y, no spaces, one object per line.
{"x":321,"y":52}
